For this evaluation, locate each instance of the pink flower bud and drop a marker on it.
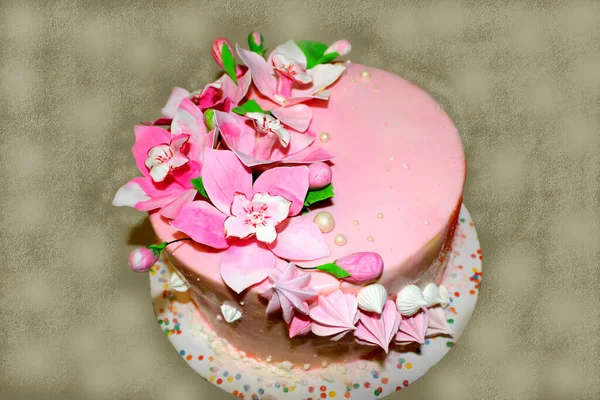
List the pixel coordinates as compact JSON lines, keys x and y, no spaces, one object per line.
{"x":319,"y":175}
{"x":217,"y":50}
{"x":257,"y":37}
{"x":142,"y":259}
{"x":362,"y":267}
{"x":342,"y":47}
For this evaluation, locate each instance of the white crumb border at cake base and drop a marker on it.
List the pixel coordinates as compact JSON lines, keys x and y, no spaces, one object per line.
{"x":222,"y":365}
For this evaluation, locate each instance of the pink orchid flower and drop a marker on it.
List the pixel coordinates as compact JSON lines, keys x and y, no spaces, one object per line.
{"x":255,"y":147}
{"x":222,"y":94}
{"x":251,"y":222}
{"x":167,"y":161}
{"x":284,"y":79}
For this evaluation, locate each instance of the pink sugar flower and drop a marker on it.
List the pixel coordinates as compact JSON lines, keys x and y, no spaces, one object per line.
{"x":284,"y":79}
{"x":289,"y":292}
{"x":251,"y":221}
{"x":167,"y":161}
{"x":256,"y":146}
{"x":299,"y":326}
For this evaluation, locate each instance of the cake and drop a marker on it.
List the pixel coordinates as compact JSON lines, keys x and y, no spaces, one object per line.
{"x":307,"y":204}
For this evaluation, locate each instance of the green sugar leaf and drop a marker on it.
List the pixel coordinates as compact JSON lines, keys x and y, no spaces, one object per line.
{"x":199,"y":186}
{"x":328,"y":58}
{"x":249,"y":106}
{"x":314,"y":51}
{"x":229,"y":63}
{"x":314,"y":196}
{"x":157,"y":248}
{"x":334,"y":269}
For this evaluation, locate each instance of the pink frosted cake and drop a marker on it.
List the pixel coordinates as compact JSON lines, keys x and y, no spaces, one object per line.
{"x":307,"y":204}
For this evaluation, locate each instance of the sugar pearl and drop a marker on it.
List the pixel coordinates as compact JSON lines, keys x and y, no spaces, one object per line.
{"x":370,"y":239}
{"x":375,"y":87}
{"x":380,"y":215}
{"x":324,"y":137}
{"x":340,"y":239}
{"x":355,"y":222}
{"x":324,"y":221}
{"x":365,"y":74}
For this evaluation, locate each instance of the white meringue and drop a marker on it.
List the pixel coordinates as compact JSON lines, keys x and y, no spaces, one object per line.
{"x":372,"y":298}
{"x":178,"y":283}
{"x":410,"y":300}
{"x":431,"y":293}
{"x":444,"y":296}
{"x":231,"y":312}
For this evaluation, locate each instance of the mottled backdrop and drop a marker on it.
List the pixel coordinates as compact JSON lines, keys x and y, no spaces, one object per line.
{"x":521,"y":80}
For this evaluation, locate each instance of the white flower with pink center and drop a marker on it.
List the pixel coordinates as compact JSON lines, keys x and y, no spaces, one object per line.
{"x":290,"y":68}
{"x":258,"y":216}
{"x":164,"y":158}
{"x":269,"y":125}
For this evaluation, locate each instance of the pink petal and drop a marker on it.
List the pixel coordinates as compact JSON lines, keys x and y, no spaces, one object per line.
{"x":173,"y":209}
{"x":236,"y":92}
{"x":156,"y":196}
{"x":291,"y":183}
{"x":300,"y":239}
{"x":240,"y":202}
{"x":224,"y":175}
{"x":175,"y":98}
{"x":301,"y":97}
{"x":324,"y":330}
{"x":291,"y":51}
{"x":203,"y":223}
{"x":299,"y":326}
{"x":147,"y":137}
{"x":274,"y":303}
{"x":323,"y":76}
{"x":309,"y":155}
{"x":237,"y":134}
{"x":297,"y":117}
{"x":246,"y":263}
{"x":262,"y":73}
{"x":298,"y":142}
{"x":188,"y":119}
{"x":130,"y":194}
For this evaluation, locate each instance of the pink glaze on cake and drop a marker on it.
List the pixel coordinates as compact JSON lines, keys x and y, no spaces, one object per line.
{"x":398,"y":176}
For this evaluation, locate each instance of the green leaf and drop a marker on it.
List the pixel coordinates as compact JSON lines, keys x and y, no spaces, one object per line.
{"x":314,"y":51}
{"x":199,"y":186}
{"x":229,"y":63}
{"x":328,"y":58}
{"x":157,"y":248}
{"x":333,"y":269}
{"x":314,"y":196}
{"x":249,"y":106}
{"x":256,"y":48}
{"x":209,"y":115}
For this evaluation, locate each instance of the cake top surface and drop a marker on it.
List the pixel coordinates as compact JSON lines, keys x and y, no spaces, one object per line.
{"x":398,"y":171}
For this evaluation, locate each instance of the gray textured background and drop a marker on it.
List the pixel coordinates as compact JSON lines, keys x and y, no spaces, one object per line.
{"x":521,"y":81}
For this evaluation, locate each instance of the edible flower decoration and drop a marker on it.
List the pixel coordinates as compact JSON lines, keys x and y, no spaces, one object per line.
{"x":258,"y":138}
{"x":295,"y":72}
{"x":289,"y":292}
{"x":254,"y":222}
{"x":167,"y":161}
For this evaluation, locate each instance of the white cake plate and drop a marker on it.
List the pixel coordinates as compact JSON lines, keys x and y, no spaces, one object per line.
{"x":220,"y":364}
